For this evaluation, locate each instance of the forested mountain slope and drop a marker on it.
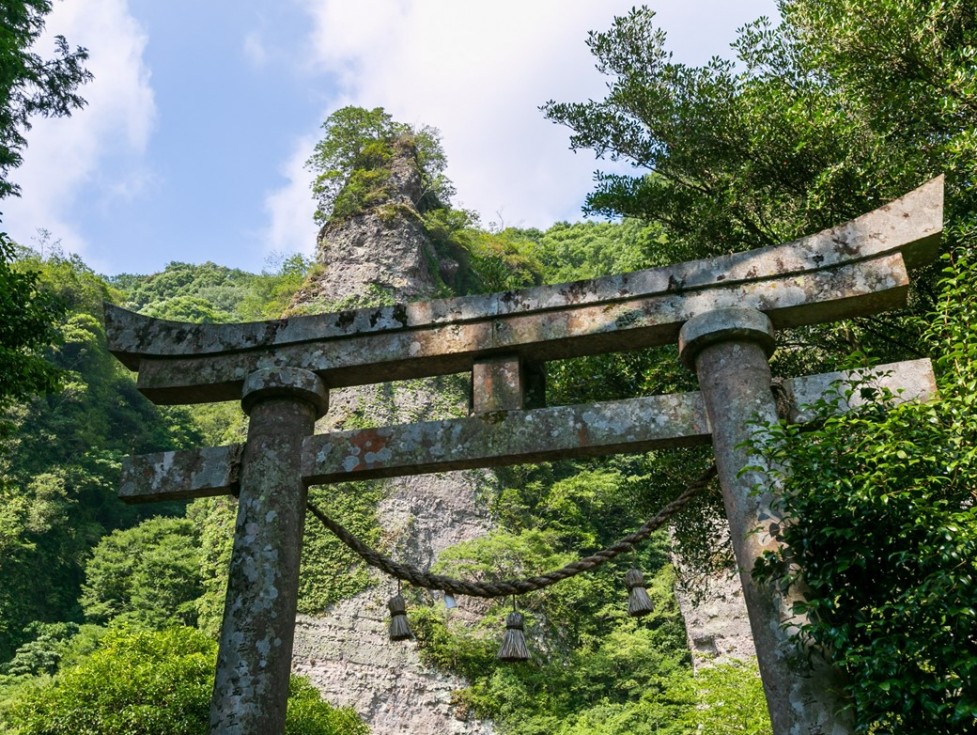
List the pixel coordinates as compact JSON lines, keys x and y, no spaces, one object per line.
{"x":153,"y":573}
{"x":844,"y":105}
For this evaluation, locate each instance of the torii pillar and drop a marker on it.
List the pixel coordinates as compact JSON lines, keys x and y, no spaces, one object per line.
{"x":728,"y":350}
{"x":255,"y":652}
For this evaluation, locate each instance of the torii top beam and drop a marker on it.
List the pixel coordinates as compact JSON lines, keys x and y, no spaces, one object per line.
{"x":855,"y":269}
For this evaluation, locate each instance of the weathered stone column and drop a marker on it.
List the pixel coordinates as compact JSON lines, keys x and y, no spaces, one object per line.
{"x":254,"y":659}
{"x":728,"y":349}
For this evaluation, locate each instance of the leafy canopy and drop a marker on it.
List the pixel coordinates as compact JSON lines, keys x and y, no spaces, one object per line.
{"x":148,"y":575}
{"x":842,"y":106}
{"x":29,"y":84}
{"x":356,"y":160}
{"x":28,"y":324}
{"x":59,"y":468}
{"x":152,"y":683}
{"x":208,"y":292}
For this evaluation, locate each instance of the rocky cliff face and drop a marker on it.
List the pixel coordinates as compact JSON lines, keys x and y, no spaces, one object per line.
{"x":345,"y":651}
{"x":380,"y":256}
{"x":384,"y":256}
{"x":717,"y":625}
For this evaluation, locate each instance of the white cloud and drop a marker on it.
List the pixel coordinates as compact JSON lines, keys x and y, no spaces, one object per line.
{"x":291,"y":228}
{"x":480,"y":71}
{"x":98,"y":147}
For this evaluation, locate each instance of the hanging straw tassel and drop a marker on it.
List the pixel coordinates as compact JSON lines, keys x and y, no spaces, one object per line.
{"x":638,"y":601}
{"x":399,"y":629}
{"x":513,"y":646}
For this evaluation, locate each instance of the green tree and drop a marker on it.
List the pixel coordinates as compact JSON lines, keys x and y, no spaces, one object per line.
{"x":153,"y":683}
{"x":885,"y":531}
{"x":43,"y":653}
{"x":352,"y":163}
{"x":29,"y":84}
{"x":823,"y":118}
{"x":594,"y":669}
{"x":212,"y":293}
{"x":148,"y":575}
{"x":729,"y":157}
{"x":728,"y":698}
{"x":60,"y":467}
{"x":843,"y":105}
{"x":28,"y":324}
{"x":570,"y":252}
{"x":188,"y":309}
{"x":588,"y":656}
{"x":187,"y":292}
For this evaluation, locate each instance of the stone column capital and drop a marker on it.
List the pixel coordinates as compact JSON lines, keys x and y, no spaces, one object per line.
{"x":285,"y":382}
{"x":724,"y":325}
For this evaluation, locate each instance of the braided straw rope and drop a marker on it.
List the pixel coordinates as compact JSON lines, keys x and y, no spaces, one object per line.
{"x":504,"y":588}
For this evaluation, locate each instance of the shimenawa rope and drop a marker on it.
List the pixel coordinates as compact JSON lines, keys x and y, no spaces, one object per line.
{"x":416,"y":577}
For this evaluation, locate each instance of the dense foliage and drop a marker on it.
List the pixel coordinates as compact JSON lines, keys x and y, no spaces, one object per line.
{"x":352,"y":163}
{"x":150,"y":682}
{"x":59,"y":468}
{"x":27,"y":327}
{"x":72,"y":551}
{"x":330,"y":571}
{"x":213,"y":293}
{"x":29,"y":84}
{"x":593,"y":669}
{"x":148,"y":575}
{"x":843,"y":105}
{"x":886,"y":536}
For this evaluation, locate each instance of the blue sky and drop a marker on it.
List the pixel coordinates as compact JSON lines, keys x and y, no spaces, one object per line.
{"x":202,"y":114}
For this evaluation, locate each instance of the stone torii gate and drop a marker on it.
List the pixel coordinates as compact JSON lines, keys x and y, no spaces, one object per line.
{"x":722,"y":312}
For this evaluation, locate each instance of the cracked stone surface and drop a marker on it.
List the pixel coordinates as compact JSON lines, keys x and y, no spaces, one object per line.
{"x":717,"y":626}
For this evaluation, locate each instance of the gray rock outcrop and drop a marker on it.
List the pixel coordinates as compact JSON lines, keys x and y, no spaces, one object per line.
{"x":382,"y":256}
{"x":716,"y":623}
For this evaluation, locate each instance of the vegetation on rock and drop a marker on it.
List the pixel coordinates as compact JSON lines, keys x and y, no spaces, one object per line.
{"x":353,"y":164}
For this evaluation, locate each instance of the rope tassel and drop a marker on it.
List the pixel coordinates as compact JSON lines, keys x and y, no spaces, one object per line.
{"x":638,"y":601}
{"x":513,"y":646}
{"x":399,"y":629}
